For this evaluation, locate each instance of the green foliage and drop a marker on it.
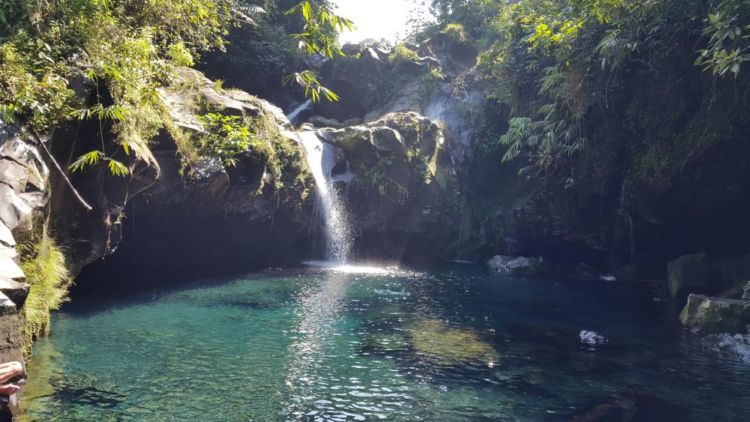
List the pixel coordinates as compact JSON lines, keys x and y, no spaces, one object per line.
{"x":402,"y":54}
{"x":322,"y":26}
{"x":472,"y":14}
{"x":457,"y":33}
{"x":319,"y":36}
{"x":225,"y":137}
{"x":123,"y":50}
{"x":43,"y":263}
{"x":728,"y":31}
{"x":313,"y":88}
{"x":557,"y":64}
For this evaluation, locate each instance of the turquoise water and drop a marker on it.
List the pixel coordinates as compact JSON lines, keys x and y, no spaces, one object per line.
{"x":449,"y":345}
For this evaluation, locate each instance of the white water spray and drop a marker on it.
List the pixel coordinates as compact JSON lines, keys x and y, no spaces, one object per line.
{"x":321,"y":158}
{"x":299,"y":110}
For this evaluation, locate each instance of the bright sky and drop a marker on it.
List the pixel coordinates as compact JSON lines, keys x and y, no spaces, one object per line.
{"x":376,"y":18}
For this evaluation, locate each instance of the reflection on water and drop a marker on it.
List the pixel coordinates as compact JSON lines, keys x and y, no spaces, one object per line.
{"x":316,"y":314}
{"x":452,"y":345}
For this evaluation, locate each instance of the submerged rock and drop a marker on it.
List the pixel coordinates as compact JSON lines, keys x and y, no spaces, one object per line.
{"x":450,"y":346}
{"x":630,"y":406}
{"x":710,"y":315}
{"x":746,"y":291}
{"x":517,"y":265}
{"x":689,"y":274}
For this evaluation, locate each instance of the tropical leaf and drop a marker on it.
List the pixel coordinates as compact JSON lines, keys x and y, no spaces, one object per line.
{"x":88,"y":159}
{"x":117,"y":168}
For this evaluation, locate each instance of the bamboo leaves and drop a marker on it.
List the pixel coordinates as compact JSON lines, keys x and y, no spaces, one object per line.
{"x":92,"y":158}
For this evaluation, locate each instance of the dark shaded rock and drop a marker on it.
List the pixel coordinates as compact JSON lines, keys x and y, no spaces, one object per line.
{"x":625,"y":407}
{"x":584,"y":270}
{"x":208,"y":178}
{"x":689,"y":274}
{"x":710,"y":315}
{"x":11,"y":341}
{"x":732,"y":272}
{"x":202,"y":218}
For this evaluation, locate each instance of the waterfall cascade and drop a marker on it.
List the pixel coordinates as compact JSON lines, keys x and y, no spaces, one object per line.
{"x":294,"y":115}
{"x":321,"y":158}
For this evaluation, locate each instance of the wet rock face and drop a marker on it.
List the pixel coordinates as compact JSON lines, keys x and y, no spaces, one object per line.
{"x":517,"y":265}
{"x":709,"y":315}
{"x":204,"y":185}
{"x":23,"y":184}
{"x":23,"y":194}
{"x":403,"y":191}
{"x":438,"y":82}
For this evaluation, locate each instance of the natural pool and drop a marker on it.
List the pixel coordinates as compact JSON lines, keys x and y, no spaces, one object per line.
{"x":450,"y":345}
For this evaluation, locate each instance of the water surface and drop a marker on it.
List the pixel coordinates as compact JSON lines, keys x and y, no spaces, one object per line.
{"x":449,"y":345}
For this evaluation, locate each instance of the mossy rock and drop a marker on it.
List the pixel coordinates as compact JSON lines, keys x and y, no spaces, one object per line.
{"x":689,"y":274}
{"x":450,"y":346}
{"x":711,"y":315}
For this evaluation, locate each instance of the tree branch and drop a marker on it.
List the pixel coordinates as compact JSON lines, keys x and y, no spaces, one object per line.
{"x":78,"y":196}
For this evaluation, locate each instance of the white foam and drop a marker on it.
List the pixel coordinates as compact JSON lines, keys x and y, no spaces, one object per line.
{"x":592,"y":338}
{"x":350,"y":269}
{"x":737,"y":345}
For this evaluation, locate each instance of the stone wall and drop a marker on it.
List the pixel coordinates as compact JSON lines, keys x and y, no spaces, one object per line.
{"x":23,"y":194}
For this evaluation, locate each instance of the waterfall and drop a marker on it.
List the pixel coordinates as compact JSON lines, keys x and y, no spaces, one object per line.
{"x":297,"y":111}
{"x":321,"y":157}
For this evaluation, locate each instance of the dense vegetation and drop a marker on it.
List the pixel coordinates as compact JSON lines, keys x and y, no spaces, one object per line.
{"x":122,"y":51}
{"x":558,"y":64}
{"x":606,"y":104}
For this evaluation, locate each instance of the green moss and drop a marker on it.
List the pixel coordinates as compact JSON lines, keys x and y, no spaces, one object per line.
{"x":43,"y":263}
{"x":402,"y":54}
{"x":456,"y":33}
{"x":430,"y":84}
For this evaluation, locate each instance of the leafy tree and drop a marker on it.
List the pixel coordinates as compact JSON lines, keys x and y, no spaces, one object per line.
{"x":123,"y":50}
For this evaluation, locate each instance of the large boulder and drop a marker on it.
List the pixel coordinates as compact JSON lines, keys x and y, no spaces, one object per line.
{"x":398,"y":171}
{"x":195,"y":183}
{"x":517,"y":265}
{"x":251,"y":211}
{"x":689,"y":274}
{"x":710,"y":315}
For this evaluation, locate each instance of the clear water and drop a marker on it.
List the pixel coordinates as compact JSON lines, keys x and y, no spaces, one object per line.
{"x":315,"y":345}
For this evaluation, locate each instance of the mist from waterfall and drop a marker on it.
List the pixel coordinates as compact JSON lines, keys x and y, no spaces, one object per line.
{"x":321,"y":159}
